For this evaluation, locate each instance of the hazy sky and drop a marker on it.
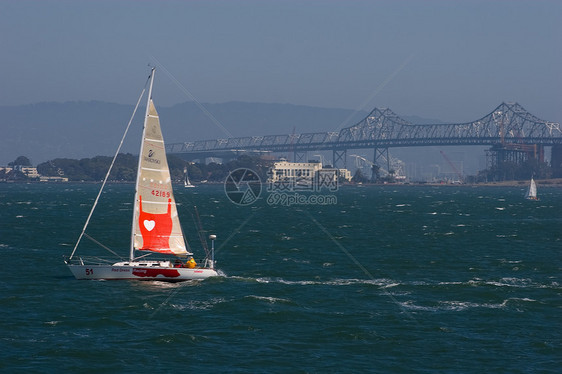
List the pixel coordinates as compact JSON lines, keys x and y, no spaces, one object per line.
{"x":449,"y":60}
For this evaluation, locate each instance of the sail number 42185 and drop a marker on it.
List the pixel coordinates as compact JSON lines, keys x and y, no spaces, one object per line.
{"x":160,"y":193}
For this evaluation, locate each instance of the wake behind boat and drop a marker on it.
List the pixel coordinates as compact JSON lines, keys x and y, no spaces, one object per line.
{"x":155,"y":228}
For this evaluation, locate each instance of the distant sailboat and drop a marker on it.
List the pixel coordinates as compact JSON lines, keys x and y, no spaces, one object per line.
{"x":155,"y":228}
{"x":532,"y":191}
{"x":186,"y":182}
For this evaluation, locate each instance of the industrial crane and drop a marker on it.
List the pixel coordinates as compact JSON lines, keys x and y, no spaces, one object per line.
{"x":374,"y":167}
{"x":461,"y":179}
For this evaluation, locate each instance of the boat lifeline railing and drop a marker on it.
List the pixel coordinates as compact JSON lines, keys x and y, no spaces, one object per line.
{"x":88,"y":260}
{"x":102,"y":261}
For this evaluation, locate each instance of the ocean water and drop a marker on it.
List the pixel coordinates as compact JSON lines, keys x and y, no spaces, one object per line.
{"x":390,"y":279}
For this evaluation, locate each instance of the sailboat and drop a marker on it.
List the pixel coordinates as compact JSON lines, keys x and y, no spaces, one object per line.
{"x":532,"y":191}
{"x":155,"y":227}
{"x":186,"y":182}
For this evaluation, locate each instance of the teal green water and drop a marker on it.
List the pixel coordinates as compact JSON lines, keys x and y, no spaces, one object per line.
{"x":390,"y":279}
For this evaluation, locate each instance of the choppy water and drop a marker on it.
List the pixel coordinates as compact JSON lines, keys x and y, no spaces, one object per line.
{"x":390,"y":280}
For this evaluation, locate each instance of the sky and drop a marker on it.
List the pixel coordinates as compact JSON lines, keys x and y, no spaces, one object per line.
{"x":449,"y":60}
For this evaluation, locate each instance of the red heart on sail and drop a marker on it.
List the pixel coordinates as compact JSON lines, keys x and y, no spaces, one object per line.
{"x":149,"y":225}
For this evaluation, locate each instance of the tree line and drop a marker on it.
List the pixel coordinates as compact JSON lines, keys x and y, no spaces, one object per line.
{"x":125,"y":168}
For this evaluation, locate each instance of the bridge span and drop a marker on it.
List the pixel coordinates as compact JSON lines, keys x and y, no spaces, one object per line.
{"x":509,"y":126}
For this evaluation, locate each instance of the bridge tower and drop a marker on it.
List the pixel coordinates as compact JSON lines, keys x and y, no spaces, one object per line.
{"x":381,"y":153}
{"x":339,"y":158}
{"x":300,"y":156}
{"x":556,"y":161}
{"x":515,"y":153}
{"x":501,"y":155}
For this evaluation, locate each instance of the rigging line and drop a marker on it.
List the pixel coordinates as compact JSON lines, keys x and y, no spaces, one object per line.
{"x":190,"y":95}
{"x":356,"y":262}
{"x":109,"y":171}
{"x":200,"y":231}
{"x":101,"y":245}
{"x":99,"y":259}
{"x":175,"y":291}
{"x":143,"y":256}
{"x":237,"y":230}
{"x":376,"y":91}
{"x":182,"y":235}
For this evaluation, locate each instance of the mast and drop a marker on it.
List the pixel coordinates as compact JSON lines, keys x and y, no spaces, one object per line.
{"x":132,"y":251}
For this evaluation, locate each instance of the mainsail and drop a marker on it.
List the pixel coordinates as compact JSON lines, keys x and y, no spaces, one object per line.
{"x":186,"y":182}
{"x":156,"y":225}
{"x":532,"y":192}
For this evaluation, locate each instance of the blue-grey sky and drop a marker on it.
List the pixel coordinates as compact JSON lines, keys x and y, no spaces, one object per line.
{"x":449,"y":60}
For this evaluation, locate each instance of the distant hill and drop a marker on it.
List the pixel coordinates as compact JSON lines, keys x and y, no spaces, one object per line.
{"x":45,"y":131}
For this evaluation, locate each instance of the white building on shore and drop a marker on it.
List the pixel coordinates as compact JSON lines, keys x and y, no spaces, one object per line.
{"x":304,"y":176}
{"x":31,"y":173}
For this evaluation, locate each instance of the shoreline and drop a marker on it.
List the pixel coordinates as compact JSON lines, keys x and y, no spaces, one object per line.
{"x":543,"y":183}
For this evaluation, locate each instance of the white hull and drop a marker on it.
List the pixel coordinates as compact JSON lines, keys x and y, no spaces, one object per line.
{"x":150,"y":273}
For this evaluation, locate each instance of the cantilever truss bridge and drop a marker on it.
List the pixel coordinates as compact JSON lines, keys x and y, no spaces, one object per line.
{"x":509,"y":125}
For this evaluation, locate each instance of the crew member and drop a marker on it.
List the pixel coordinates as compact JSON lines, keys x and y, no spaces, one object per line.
{"x":191,"y":263}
